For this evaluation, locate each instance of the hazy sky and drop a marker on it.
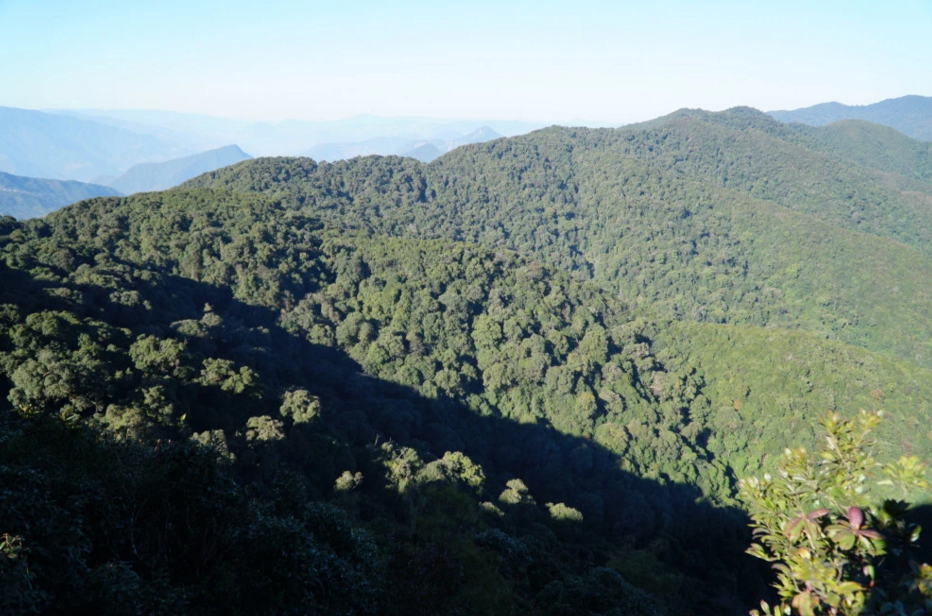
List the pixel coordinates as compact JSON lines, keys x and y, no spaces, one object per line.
{"x":545,"y":61}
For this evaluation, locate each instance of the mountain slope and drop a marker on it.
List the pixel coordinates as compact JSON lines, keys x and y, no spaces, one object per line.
{"x":37,"y":144}
{"x":745,"y":150}
{"x":228,"y":320}
{"x":644,"y":214}
{"x":480,"y":135}
{"x":910,"y":115}
{"x":22,"y":197}
{"x":424,"y":152}
{"x":874,"y":146}
{"x":160,"y":176}
{"x":765,"y":386}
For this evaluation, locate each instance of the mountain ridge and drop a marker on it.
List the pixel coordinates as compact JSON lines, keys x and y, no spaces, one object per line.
{"x":910,"y":115}
{"x":712,"y":238}
{"x":532,"y":371}
{"x":37,"y":144}
{"x":148,"y":177}
{"x":23,"y":197}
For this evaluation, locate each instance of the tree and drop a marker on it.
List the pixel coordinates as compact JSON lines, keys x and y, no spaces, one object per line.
{"x":836,"y":549}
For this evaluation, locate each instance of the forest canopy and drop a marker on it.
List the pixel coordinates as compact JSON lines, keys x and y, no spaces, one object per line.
{"x":527,"y":377}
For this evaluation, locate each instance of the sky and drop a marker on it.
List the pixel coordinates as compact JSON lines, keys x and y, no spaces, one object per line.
{"x":543,"y":61}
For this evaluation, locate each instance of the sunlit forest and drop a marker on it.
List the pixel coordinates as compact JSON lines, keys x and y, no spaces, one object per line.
{"x":563,"y":373}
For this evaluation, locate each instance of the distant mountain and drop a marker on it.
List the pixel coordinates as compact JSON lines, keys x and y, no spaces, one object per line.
{"x":911,"y":115}
{"x":22,"y":197}
{"x":382,"y":146}
{"x":160,"y":176}
{"x":422,"y":149}
{"x":292,"y":137}
{"x":481,"y":135}
{"x":37,"y":144}
{"x":425,"y":152}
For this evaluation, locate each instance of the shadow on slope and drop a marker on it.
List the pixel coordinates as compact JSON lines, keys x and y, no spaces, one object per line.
{"x":621,"y":511}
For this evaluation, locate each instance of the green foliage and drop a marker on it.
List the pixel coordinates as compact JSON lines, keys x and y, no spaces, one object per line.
{"x":97,"y":525}
{"x":764,"y":381}
{"x":249,"y":365}
{"x":616,"y":597}
{"x":140,"y":344}
{"x":722,"y":218}
{"x":821,"y":523}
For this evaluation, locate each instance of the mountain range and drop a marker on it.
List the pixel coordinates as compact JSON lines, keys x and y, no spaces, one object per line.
{"x":125,"y":152}
{"x":424,"y":151}
{"x":768,"y":239}
{"x":43,"y":145}
{"x":527,"y":376}
{"x":97,"y":146}
{"x":22,"y":197}
{"x":289,"y":137}
{"x":910,"y":115}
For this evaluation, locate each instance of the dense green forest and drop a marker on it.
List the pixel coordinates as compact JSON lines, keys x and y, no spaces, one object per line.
{"x":525,"y":378}
{"x":112,"y":319}
{"x":711,"y":217}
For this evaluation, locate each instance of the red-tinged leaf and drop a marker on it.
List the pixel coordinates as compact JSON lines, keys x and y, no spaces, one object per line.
{"x":793,"y":527}
{"x":856,"y":517}
{"x":873,"y":534}
{"x":818,"y":513}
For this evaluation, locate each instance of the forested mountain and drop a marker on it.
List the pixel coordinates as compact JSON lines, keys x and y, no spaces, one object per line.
{"x":160,"y":176}
{"x":360,"y":361}
{"x":22,"y":197}
{"x":524,"y":378}
{"x":874,"y":146}
{"x":721,"y":218}
{"x":46,"y":145}
{"x":910,"y":115}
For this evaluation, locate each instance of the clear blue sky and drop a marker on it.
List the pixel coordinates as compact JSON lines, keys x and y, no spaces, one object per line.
{"x":547,"y":61}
